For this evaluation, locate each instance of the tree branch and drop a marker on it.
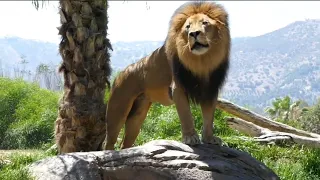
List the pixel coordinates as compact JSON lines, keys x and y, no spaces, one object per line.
{"x":259,"y":120}
{"x":264,"y":135}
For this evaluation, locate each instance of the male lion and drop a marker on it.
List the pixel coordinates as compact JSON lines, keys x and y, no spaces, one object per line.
{"x":190,"y":66}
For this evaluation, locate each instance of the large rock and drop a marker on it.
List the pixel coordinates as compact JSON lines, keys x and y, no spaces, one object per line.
{"x":156,"y":160}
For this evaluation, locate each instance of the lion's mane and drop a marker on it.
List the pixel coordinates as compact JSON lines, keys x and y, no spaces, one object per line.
{"x":200,"y":76}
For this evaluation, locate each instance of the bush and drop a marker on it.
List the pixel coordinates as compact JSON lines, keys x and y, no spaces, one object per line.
{"x":28,"y":115}
{"x":312,"y":162}
{"x":11,"y":93}
{"x":310,"y":120}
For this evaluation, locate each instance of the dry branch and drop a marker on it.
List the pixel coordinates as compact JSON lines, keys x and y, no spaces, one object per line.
{"x":265,"y":135}
{"x":261,"y":121}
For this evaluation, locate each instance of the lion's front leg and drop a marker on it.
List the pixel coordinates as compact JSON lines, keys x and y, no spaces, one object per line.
{"x":208,"y":110}
{"x":189,"y":134}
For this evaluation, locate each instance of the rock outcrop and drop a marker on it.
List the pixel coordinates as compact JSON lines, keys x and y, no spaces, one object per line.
{"x":156,"y":160}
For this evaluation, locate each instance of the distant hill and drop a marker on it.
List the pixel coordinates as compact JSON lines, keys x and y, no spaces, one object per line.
{"x":35,"y":52}
{"x":279,"y":63}
{"x":282,"y":62}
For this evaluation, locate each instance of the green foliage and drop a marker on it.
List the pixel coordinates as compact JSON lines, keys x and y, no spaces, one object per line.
{"x":162,"y":122}
{"x":28,"y":114}
{"x":311,"y":119}
{"x":289,"y":163}
{"x":285,"y":111}
{"x":281,"y":106}
{"x":11,"y":93}
{"x":312,"y":162}
{"x":15,"y":165}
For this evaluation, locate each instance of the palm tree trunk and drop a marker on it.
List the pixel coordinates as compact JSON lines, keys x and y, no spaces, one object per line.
{"x":84,"y":47}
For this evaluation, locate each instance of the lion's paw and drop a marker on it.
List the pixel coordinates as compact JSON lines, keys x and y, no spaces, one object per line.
{"x":191,"y":139}
{"x":212,"y":140}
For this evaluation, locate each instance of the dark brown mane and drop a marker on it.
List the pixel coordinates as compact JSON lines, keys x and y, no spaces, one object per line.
{"x":198,"y":90}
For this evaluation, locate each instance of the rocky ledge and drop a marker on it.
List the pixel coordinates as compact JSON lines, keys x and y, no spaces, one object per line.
{"x":156,"y":160}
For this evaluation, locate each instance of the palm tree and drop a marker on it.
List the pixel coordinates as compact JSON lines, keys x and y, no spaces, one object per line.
{"x":285,"y":109}
{"x":43,"y":70}
{"x":84,"y":49}
{"x":274,"y":111}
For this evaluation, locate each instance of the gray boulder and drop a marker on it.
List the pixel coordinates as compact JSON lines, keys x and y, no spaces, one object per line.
{"x":156,"y":160}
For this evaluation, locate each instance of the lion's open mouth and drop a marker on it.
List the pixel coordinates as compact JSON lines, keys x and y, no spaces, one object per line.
{"x":198,"y":45}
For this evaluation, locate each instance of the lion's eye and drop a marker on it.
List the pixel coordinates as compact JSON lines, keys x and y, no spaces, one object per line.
{"x":205,"y":22}
{"x":188,"y":26}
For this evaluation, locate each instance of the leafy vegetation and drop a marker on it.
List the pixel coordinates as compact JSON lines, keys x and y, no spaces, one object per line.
{"x":28,"y":113}
{"x":287,"y":111}
{"x":14,"y":165}
{"x":311,"y":119}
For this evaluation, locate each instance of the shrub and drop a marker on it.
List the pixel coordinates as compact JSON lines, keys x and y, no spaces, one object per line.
{"x":11,"y":93}
{"x":29,"y":114}
{"x":310,"y":120}
{"x":312,"y":162}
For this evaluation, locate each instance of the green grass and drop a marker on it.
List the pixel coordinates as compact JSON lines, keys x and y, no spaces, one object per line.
{"x":27,"y":114}
{"x":13,"y":165}
{"x":289,"y":162}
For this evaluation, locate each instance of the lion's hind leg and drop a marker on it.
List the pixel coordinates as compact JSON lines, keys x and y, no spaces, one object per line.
{"x":135,"y":120}
{"x":118,"y":109}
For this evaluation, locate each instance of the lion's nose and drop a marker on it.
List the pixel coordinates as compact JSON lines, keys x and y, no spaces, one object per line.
{"x":194,"y":34}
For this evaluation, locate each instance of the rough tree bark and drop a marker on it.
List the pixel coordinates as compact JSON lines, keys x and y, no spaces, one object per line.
{"x":259,"y":120}
{"x":84,"y":47}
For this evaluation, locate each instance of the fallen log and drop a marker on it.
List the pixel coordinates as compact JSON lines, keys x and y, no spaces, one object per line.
{"x":259,"y":120}
{"x":265,"y":135}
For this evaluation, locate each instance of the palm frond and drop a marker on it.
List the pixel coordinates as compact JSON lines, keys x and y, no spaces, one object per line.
{"x":271,"y":111}
{"x":37,"y":4}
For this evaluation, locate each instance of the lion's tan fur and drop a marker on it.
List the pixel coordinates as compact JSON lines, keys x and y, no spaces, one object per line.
{"x":149,"y":80}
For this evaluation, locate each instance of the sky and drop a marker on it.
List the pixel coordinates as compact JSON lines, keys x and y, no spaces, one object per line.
{"x":138,"y":21}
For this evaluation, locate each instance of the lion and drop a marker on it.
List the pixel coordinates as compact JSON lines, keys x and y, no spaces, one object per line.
{"x":190,"y":67}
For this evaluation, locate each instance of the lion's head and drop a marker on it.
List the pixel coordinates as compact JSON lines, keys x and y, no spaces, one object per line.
{"x":199,"y":35}
{"x":199,"y":30}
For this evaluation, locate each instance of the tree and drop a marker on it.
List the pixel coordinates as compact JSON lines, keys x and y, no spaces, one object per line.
{"x":84,"y":49}
{"x":274,"y":111}
{"x":285,"y":109}
{"x":44,"y":71}
{"x":310,"y":119}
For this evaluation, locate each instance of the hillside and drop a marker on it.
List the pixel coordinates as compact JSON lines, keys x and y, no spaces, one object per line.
{"x":282,"y":62}
{"x":35,"y":52}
